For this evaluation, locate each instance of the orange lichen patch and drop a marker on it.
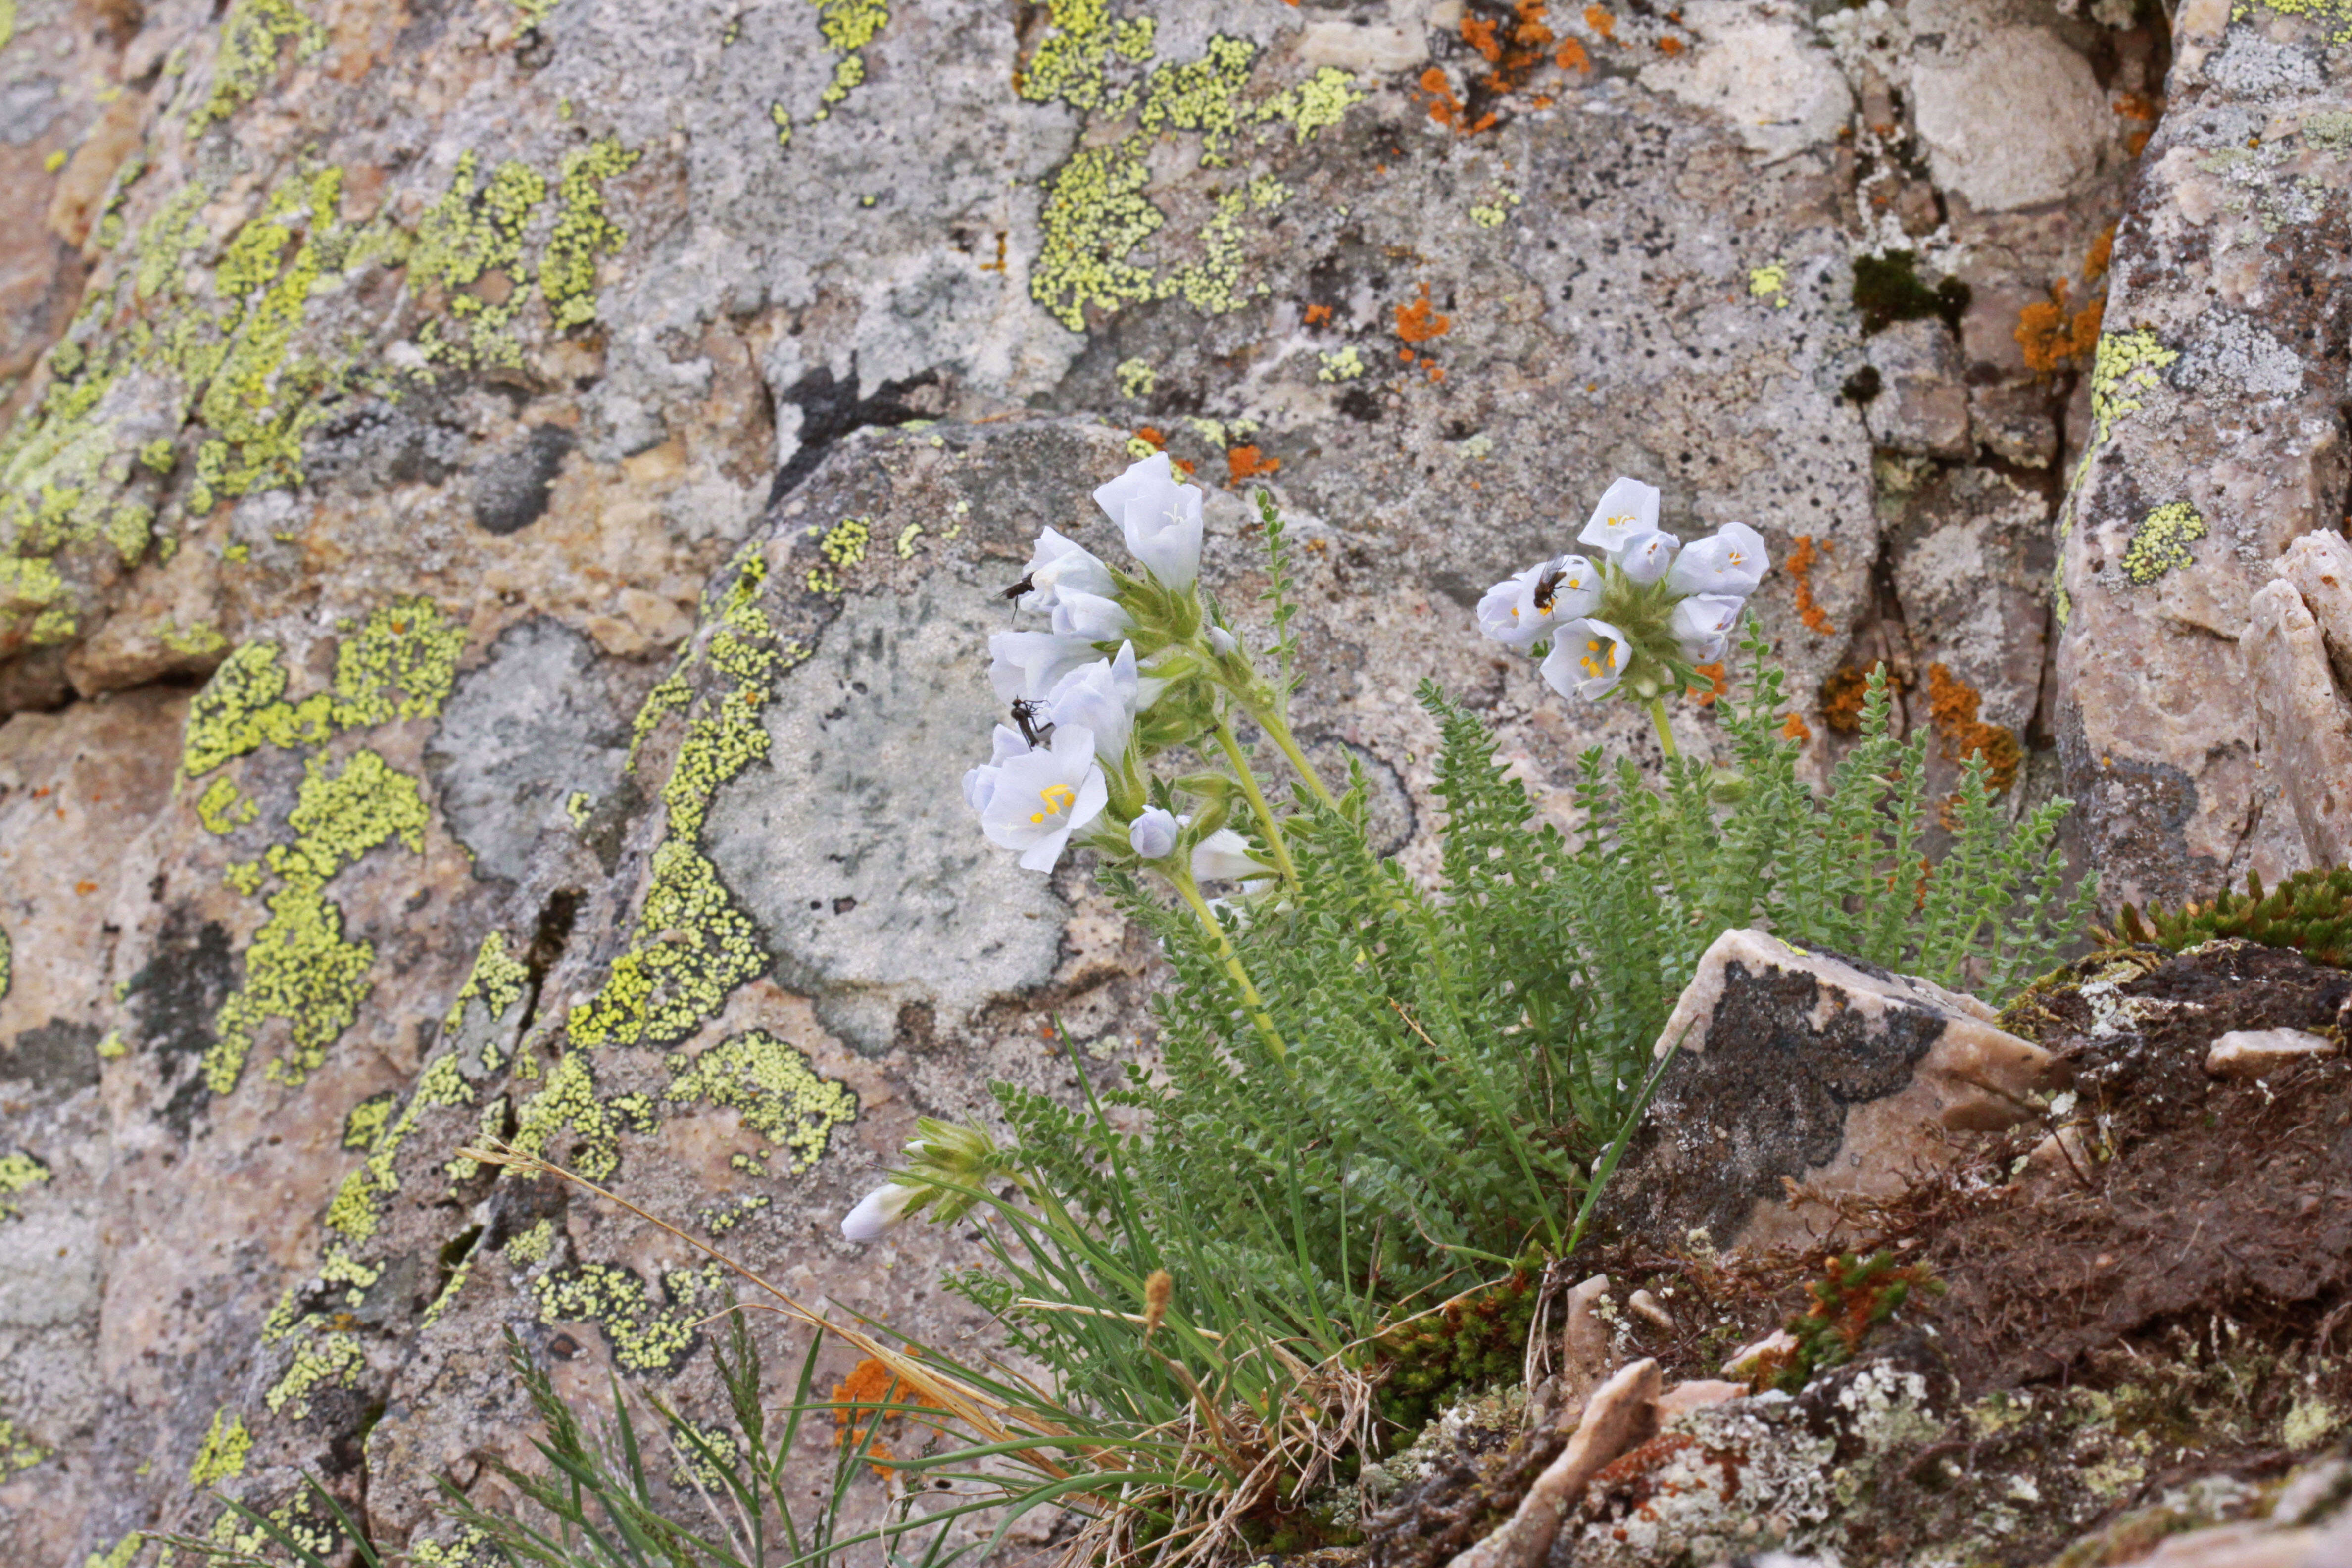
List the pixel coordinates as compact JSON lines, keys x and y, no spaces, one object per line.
{"x":1598,"y":19}
{"x":1670,"y":45}
{"x":1445,"y":108}
{"x":1247,"y":462}
{"x":1316,"y":315}
{"x":85,"y":888}
{"x":2139,"y":106}
{"x":1842,"y":693}
{"x":1952,"y":709}
{"x":1573,"y":57}
{"x":1718,"y":685}
{"x":1479,"y":32}
{"x":1797,"y":730}
{"x":2102,"y":251}
{"x":1420,"y":321}
{"x":2049,"y":337}
{"x":872,"y":1382}
{"x":1181,"y":465}
{"x":1157,"y":437}
{"x":2137,"y":143}
{"x":1437,"y":373}
{"x":1800,"y":565}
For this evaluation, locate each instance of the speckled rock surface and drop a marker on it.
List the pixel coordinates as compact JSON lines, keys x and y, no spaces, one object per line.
{"x":430,"y":438}
{"x":2216,"y":438}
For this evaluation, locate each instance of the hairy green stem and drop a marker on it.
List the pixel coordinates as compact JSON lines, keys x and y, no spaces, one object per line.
{"x":1666,"y":733}
{"x":1241,"y":770}
{"x":1277,"y":727}
{"x":1180,"y":874}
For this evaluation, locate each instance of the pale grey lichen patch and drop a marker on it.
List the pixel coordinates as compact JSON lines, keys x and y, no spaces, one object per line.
{"x":853,"y":847}
{"x":2233,"y":357}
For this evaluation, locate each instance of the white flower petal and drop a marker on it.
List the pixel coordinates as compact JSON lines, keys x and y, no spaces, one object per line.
{"x":1059,"y":565}
{"x":1025,"y":665}
{"x":1152,"y":835}
{"x":1729,"y":561}
{"x":1627,"y":507}
{"x":1513,"y":613}
{"x":1224,"y":856}
{"x":1587,"y":659}
{"x":878,"y":1213}
{"x":1044,"y":795}
{"x":1648,"y":556}
{"x":1100,"y":697}
{"x":1159,"y":519}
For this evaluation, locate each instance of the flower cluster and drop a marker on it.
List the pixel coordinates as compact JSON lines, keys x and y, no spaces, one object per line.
{"x":1640,"y":620}
{"x":1128,"y":664}
{"x":1132,"y":662}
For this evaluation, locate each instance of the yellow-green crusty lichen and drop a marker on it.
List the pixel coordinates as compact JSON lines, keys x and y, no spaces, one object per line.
{"x":842,"y":546}
{"x":2161,"y":542}
{"x":355,"y":1213}
{"x":300,"y":967}
{"x":496,"y":979}
{"x":533,"y":1245}
{"x":250,"y":39}
{"x":847,"y":27}
{"x":567,"y":1104}
{"x":694,"y":943}
{"x":222,"y":1457}
{"x":2126,"y":366}
{"x":18,"y":1449}
{"x":325,"y":1360}
{"x":646,"y":1335}
{"x":19,"y":1172}
{"x":1098,"y":218}
{"x":2336,"y":13}
{"x":773,"y":1086}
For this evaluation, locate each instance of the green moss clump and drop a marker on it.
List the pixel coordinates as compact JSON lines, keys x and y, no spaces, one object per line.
{"x":2311,"y":912}
{"x":1854,"y":1296}
{"x":1469,"y":1343}
{"x":1887,"y":289}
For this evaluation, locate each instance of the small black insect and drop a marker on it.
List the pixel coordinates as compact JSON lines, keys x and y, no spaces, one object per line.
{"x":1025,"y":715}
{"x":1547,"y":588}
{"x":1026,"y":586}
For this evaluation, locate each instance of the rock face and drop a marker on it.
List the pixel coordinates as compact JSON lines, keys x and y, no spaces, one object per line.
{"x":2216,"y":438}
{"x":498,"y":502}
{"x":1798,"y":1067}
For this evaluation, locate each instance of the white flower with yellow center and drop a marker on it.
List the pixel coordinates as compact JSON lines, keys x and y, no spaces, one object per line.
{"x":1628,"y":507}
{"x":1159,"y":519}
{"x":1731,"y":559}
{"x":1586,"y":659}
{"x":1523,"y":609}
{"x":1043,"y":796}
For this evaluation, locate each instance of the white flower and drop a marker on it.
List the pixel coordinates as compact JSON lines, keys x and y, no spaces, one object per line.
{"x":1027,"y":664}
{"x":1587,"y":660}
{"x":1153,"y":835}
{"x":1701,"y":623}
{"x":1514,"y":611}
{"x":1059,"y":565}
{"x":1223,"y":640}
{"x":1159,"y":519}
{"x":979,"y":783}
{"x":1729,"y":561}
{"x":1100,"y":697}
{"x":1224,"y":856}
{"x":1627,"y":507}
{"x":1042,"y":796}
{"x":1646,"y":557}
{"x":1089,"y":615}
{"x":878,"y":1213}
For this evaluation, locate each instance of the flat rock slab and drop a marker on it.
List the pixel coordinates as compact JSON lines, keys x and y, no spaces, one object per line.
{"x":1812,"y":1069}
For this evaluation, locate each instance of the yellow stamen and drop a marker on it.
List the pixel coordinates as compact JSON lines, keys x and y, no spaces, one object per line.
{"x":1058,"y":798}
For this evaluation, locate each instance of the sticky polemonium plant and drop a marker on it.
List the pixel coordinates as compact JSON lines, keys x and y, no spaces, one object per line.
{"x":1639,"y":622}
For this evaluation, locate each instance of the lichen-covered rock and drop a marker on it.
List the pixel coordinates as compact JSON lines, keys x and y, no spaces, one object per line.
{"x":1792,"y":1066}
{"x":2216,"y":438}
{"x":501,"y":495}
